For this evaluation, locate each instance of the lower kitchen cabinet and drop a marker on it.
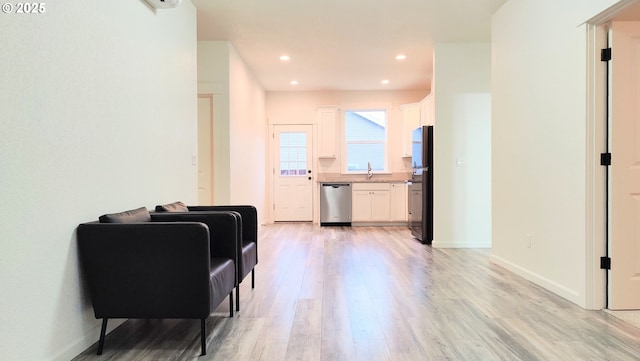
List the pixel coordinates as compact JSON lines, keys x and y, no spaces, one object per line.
{"x":378,"y":202}
{"x":360,"y":206}
{"x":398,"y":202}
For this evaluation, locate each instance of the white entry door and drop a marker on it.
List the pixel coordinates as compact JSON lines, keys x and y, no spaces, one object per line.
{"x":293,"y":184}
{"x":624,"y":221}
{"x":205,"y":149}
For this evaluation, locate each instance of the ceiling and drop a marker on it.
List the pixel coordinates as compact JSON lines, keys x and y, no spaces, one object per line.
{"x":343,"y":44}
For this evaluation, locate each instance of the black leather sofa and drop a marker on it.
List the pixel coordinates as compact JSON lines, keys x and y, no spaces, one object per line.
{"x":248,"y":230}
{"x":139,"y":265}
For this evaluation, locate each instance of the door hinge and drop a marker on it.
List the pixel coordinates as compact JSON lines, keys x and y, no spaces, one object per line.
{"x":605,"y":54}
{"x":605,"y":159}
{"x":605,"y":263}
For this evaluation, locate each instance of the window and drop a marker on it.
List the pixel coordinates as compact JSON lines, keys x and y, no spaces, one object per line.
{"x":293,"y":153}
{"x":365,"y":138}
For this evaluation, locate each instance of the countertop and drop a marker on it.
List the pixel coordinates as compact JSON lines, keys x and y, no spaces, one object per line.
{"x":362,"y":178}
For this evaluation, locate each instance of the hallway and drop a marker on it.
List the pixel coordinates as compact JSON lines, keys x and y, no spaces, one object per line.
{"x":328,"y":293}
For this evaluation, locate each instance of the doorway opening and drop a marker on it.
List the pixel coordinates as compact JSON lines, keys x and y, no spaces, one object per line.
{"x":613,"y":258}
{"x":205,"y":149}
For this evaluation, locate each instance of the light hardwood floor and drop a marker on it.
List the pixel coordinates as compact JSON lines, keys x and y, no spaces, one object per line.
{"x":367,"y":294}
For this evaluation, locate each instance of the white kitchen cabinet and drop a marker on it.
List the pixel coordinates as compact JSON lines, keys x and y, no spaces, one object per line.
{"x":380,"y":201}
{"x":361,"y":206}
{"x":411,"y":114}
{"x":372,"y":202}
{"x":398,"y":202}
{"x":328,"y":135}
{"x":427,"y":111}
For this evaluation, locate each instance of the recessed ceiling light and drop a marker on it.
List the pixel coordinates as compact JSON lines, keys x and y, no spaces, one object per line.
{"x":385,"y":81}
{"x":401,"y":57}
{"x":285,"y":57}
{"x":293,"y":82}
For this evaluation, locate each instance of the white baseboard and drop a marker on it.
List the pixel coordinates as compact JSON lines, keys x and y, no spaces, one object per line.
{"x":86,"y":341}
{"x":436,"y":244}
{"x":379,"y":224}
{"x":541,"y":281}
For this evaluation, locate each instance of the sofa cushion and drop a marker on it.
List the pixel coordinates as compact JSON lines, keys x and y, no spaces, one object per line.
{"x":133,"y":216}
{"x":173,"y":207}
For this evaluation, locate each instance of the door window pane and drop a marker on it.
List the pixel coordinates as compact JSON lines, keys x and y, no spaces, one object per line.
{"x":293,"y":153}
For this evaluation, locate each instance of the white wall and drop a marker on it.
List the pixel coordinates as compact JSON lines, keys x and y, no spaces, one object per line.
{"x":213,"y":78}
{"x":539,"y":135}
{"x":98,"y":109}
{"x":462,"y":145}
{"x":248,"y":134}
{"x":239,"y":125}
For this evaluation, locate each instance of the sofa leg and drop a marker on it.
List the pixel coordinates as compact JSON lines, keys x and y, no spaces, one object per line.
{"x":231,"y":303}
{"x":203,"y":343}
{"x":238,"y":297}
{"x":253,"y":278}
{"x":103,"y":330}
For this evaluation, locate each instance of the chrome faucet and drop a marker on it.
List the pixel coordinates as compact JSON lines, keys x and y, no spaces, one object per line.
{"x":369,"y":172}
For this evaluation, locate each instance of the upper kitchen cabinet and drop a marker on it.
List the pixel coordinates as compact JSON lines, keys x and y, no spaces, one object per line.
{"x":327,"y":118}
{"x":411,"y":117}
{"x":427,"y":111}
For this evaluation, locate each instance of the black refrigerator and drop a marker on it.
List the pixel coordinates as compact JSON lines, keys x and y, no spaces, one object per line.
{"x":420,"y":187}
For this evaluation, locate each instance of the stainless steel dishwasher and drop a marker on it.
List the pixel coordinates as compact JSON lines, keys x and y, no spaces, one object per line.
{"x":335,"y":204}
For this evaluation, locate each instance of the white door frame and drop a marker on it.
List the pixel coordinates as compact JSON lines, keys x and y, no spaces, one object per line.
{"x":595,"y":282}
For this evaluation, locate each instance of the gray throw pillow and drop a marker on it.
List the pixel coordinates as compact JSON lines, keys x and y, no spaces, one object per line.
{"x":175,"y":207}
{"x":133,"y":216}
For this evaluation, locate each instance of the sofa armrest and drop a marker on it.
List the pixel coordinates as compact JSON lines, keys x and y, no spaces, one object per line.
{"x":223,"y":230}
{"x":146,"y":270}
{"x":249,"y":216}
